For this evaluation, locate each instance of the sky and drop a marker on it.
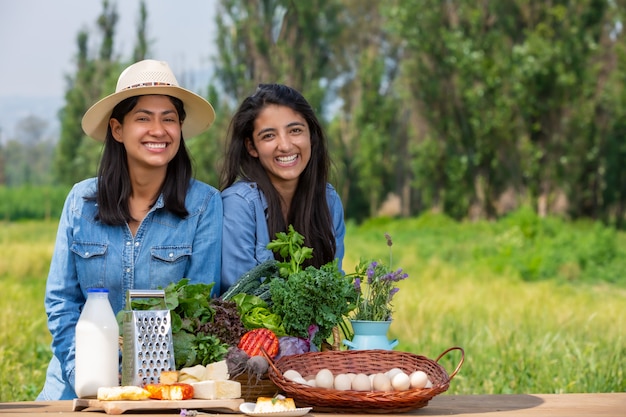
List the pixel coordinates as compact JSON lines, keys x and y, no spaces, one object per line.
{"x":38,"y":45}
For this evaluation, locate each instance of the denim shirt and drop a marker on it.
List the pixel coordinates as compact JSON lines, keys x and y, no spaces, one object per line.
{"x":246,"y":236}
{"x":89,"y":253}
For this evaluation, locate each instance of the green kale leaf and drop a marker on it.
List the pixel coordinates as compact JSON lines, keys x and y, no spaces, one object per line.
{"x":321,"y":297}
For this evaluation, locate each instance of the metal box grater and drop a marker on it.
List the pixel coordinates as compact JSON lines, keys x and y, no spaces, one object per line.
{"x":147,"y":341}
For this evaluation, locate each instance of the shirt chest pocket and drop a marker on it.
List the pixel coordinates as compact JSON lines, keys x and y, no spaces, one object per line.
{"x":90,"y":263}
{"x":168,"y":264}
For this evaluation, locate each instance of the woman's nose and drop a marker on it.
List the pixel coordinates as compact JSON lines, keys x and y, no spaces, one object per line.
{"x":283,"y":142}
{"x":156,"y":128}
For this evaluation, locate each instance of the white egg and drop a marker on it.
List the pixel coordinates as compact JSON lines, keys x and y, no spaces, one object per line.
{"x":291,"y":374}
{"x":419,"y":379}
{"x":361,"y":382}
{"x":429,"y":384}
{"x":351,"y":375}
{"x":343,"y":382}
{"x":311,"y":383}
{"x":400,"y":382}
{"x":381,"y":383}
{"x":392,"y":372}
{"x":324,"y":379}
{"x":300,"y":381}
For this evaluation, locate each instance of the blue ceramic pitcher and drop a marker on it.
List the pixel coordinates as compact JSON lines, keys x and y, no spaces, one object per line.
{"x":370,"y":335}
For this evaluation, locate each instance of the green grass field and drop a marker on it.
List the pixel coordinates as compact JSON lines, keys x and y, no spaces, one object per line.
{"x":538,"y":306}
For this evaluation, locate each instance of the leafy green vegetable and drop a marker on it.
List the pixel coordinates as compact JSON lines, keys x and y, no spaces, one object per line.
{"x":320,"y":297}
{"x":184,"y":353}
{"x":255,"y":313}
{"x":209,"y":349}
{"x":289,"y":247}
{"x":313,"y":296}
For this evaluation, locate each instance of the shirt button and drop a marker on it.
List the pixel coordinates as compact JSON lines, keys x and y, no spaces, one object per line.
{"x":171,"y":255}
{"x":136,"y":243}
{"x":127,"y":269}
{"x":86,"y":253}
{"x":128,"y":243}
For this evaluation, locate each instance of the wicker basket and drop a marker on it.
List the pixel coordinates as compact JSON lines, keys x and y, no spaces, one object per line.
{"x":361,"y":361}
{"x":253,"y":388}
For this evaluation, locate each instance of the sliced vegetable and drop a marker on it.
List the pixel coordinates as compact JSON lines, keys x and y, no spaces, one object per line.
{"x":254,"y":340}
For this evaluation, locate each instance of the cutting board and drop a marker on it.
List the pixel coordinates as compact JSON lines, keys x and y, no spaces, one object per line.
{"x":119,"y":407}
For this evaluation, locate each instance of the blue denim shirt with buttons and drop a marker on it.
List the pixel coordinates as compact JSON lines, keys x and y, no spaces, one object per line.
{"x":246,"y":236}
{"x":89,"y":253}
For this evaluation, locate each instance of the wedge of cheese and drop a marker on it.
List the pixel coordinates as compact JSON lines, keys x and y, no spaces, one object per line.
{"x":192,"y":374}
{"x":216,"y":371}
{"x":216,"y":390}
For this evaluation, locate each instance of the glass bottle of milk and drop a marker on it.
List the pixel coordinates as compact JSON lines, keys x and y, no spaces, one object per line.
{"x":97,"y":333}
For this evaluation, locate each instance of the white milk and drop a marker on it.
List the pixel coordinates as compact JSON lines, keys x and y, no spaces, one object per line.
{"x":97,"y":332}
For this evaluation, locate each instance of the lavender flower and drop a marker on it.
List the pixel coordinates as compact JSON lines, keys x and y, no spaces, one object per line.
{"x":374,"y":301}
{"x":371,"y":272}
{"x":388,"y":237}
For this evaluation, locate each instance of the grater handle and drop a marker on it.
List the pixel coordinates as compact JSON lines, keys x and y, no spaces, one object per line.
{"x":130,"y":294}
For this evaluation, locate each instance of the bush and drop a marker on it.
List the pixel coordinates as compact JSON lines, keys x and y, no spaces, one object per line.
{"x":31,"y":203}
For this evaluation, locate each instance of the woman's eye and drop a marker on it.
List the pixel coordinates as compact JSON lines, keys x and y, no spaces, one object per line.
{"x":267,"y":136}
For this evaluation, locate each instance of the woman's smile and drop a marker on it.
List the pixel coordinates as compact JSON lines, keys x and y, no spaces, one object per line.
{"x":155,"y":146}
{"x":287,"y":160}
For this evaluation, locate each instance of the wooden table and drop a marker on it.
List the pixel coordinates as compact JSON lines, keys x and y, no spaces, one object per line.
{"x":553,"y":405}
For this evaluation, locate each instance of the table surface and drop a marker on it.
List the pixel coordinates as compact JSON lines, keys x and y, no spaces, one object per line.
{"x":553,"y":405}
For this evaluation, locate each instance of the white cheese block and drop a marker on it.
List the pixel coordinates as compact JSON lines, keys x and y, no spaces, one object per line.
{"x":216,"y":390}
{"x":216,"y":370}
{"x":227,"y":389}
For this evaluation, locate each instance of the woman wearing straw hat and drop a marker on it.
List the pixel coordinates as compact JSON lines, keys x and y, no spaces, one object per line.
{"x":143,"y":222}
{"x":276,"y":175}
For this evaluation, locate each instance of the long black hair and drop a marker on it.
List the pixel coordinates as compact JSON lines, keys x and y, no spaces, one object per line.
{"x":309,"y":213}
{"x":114,"y":187}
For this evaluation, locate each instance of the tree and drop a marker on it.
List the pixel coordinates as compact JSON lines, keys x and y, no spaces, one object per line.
{"x":142,"y":47}
{"x":498,"y":85}
{"x":77,"y":155}
{"x":367,"y":133}
{"x":28,"y":154}
{"x":283,"y":41}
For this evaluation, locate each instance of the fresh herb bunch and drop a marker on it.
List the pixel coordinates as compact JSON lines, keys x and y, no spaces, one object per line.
{"x":311,"y":296}
{"x":226,"y":325}
{"x":289,"y":247}
{"x":375,"y":284}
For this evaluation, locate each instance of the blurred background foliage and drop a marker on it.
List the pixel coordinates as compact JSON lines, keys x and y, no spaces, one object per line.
{"x":470,"y":109}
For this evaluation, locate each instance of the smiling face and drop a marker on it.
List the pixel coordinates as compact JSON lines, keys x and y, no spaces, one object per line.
{"x":150,"y":133}
{"x":282,"y":141}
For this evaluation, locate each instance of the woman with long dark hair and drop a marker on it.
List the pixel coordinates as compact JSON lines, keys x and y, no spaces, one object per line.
{"x":275,"y":175}
{"x":143,"y":222}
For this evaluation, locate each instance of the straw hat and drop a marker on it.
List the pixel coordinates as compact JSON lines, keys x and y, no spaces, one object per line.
{"x":149,"y":77}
